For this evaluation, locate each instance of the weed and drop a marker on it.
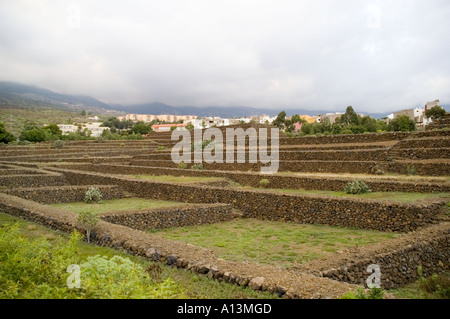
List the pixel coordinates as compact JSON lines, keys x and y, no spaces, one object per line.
{"x":197,"y":166}
{"x":93,"y":195}
{"x":182,"y":165}
{"x":264,"y":182}
{"x":356,"y":187}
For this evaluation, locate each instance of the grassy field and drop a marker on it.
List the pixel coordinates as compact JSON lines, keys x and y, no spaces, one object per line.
{"x":273,"y":243}
{"x":117,"y":205}
{"x":195,"y":286}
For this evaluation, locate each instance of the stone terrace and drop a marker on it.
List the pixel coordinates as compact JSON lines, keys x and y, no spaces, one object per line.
{"x":31,"y":177}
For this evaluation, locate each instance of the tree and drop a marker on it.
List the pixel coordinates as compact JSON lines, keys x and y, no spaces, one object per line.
{"x":280,"y":121}
{"x":83,"y":113}
{"x":349,"y":117}
{"x":35,"y":135}
{"x":141,"y":128}
{"x":289,"y":124}
{"x":88,"y":220}
{"x":190,"y":127}
{"x":369,"y":123}
{"x":5,"y":136}
{"x":53,"y":129}
{"x":402,"y":123}
{"x":436,"y":112}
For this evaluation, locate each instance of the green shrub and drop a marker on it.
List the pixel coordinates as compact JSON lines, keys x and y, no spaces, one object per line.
{"x":436,"y":284}
{"x":182,"y":165}
{"x":373,"y":293}
{"x":123,"y":279}
{"x":38,"y":269}
{"x":34,"y":269}
{"x":197,"y":166}
{"x":58,"y":144}
{"x":5,"y":136}
{"x":411,"y":170}
{"x":93,"y":195}
{"x":356,"y":187}
{"x":264,"y":182}
{"x":346,"y":131}
{"x":401,"y":123}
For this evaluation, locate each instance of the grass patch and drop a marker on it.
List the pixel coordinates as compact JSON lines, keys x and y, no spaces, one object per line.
{"x":273,"y":243}
{"x":117,"y":205}
{"x":433,"y":287}
{"x":194,"y":286}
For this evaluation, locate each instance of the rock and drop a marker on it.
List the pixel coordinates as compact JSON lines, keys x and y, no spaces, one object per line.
{"x":203,"y":269}
{"x":256,"y":283}
{"x":153,"y":254}
{"x":280,"y":290}
{"x":244,"y":281}
{"x":171,"y":260}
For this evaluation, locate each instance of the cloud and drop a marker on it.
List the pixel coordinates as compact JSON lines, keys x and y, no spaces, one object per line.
{"x":322,"y":54}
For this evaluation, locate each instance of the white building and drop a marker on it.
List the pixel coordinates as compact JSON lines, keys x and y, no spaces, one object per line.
{"x":207,"y":122}
{"x":263,"y":119}
{"x":95,"y":128}
{"x":417,"y":114}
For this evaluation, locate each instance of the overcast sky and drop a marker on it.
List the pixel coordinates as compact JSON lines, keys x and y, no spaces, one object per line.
{"x":326,"y":54}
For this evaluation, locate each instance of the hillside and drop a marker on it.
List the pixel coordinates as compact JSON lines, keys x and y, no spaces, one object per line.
{"x":15,"y":95}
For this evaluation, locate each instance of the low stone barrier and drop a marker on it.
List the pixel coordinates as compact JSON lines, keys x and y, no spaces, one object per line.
{"x":426,"y":142}
{"x":304,"y":154}
{"x":351,"y":138}
{"x":18,"y":171}
{"x":426,"y":168}
{"x":353,"y":167}
{"x":422,"y":153}
{"x":189,"y":215}
{"x":64,"y":194}
{"x":32,"y":180}
{"x":253,"y":179}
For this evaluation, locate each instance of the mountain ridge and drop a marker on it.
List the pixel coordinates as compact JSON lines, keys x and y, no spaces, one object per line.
{"x":12,"y":93}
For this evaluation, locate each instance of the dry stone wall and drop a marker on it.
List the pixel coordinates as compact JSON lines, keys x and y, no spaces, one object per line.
{"x":64,"y":194}
{"x":355,"y":167}
{"x":190,"y":215}
{"x":276,"y":180}
{"x":36,"y":180}
{"x":425,"y":168}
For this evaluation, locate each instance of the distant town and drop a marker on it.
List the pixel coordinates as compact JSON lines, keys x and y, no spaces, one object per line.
{"x":168,"y":122}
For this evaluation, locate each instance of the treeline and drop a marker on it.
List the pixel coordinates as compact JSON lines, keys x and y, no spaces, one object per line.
{"x":348,"y":123}
{"x":117,"y":130}
{"x":34,"y":133}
